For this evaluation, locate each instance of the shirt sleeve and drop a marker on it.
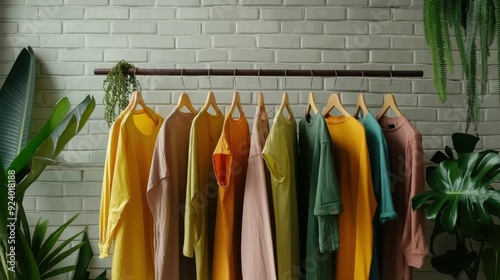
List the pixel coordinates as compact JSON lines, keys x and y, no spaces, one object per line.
{"x":115,"y":196}
{"x":222,"y":160}
{"x":415,"y":248}
{"x":273,"y":141}
{"x":386,"y":206}
{"x":191,"y":219}
{"x":328,"y":205}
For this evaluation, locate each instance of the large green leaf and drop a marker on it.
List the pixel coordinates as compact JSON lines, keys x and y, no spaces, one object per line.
{"x":53,"y":145}
{"x":16,"y":103}
{"x":85,"y":255}
{"x":59,"y":112}
{"x":462,"y":186}
{"x":464,"y":143}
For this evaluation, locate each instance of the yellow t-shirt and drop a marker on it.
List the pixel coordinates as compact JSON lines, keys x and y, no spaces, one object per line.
{"x":230,"y":161}
{"x":352,"y":164}
{"x":201,"y":192}
{"x":126,"y":207}
{"x":280,"y":154}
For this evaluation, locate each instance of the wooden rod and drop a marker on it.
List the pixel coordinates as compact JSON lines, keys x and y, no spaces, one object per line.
{"x":267,"y":72}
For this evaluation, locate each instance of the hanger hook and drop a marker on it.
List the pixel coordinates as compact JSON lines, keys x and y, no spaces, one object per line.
{"x":182,"y":79}
{"x":335,"y":81}
{"x":390,"y":83}
{"x":362,"y":80}
{"x":235,"y":84}
{"x":260,"y":83}
{"x":209,"y":79}
{"x":285,"y":78}
{"x":312,"y":78}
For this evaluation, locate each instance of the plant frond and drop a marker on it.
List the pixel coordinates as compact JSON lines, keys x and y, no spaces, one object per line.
{"x":445,"y":15}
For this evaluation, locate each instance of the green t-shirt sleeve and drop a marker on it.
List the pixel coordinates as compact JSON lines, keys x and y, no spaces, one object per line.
{"x":328,"y":204}
{"x":386,"y":205}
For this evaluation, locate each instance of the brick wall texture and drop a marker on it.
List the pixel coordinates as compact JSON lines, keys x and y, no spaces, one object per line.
{"x":72,"y":37}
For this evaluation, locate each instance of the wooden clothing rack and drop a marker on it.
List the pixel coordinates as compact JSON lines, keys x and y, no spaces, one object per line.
{"x":268,"y":72}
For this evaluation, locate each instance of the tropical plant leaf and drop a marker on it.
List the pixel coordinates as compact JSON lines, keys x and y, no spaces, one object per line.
{"x":497,"y":31}
{"x":60,"y":257}
{"x":449,"y":152}
{"x":439,"y":157}
{"x":22,"y":222}
{"x":491,"y":263}
{"x":26,"y":263}
{"x":51,"y":241}
{"x":464,"y":143}
{"x":38,"y":236}
{"x":102,"y":276}
{"x":60,"y":111}
{"x":85,"y":255}
{"x":453,"y":262}
{"x":53,"y":145}
{"x":462,"y":186}
{"x":16,"y":103}
{"x":58,"y":271}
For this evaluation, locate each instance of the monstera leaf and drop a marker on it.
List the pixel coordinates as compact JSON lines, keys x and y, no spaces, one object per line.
{"x":462,"y":187}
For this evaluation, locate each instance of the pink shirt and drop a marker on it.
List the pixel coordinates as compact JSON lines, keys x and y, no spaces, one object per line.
{"x":403,"y":239}
{"x":257,"y":255}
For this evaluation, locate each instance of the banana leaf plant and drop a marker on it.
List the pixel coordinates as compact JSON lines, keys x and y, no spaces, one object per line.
{"x":35,"y":258}
{"x":462,"y":203}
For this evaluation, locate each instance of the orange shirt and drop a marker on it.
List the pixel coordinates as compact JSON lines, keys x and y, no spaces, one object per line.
{"x":352,"y":164}
{"x":230,"y":161}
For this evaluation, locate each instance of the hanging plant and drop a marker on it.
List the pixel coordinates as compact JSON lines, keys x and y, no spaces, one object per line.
{"x":118,"y":86}
{"x":471,"y":21}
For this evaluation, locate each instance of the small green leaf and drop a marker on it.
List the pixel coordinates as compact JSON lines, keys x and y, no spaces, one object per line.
{"x":449,"y":152}
{"x":85,"y":255}
{"x":51,"y":241}
{"x":38,"y":236}
{"x":26,"y":262}
{"x":464,"y":143}
{"x":58,"y":271}
{"x":439,"y":157}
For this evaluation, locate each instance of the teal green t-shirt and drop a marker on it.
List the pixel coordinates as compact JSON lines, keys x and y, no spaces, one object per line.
{"x":318,"y":178}
{"x":379,"y":164}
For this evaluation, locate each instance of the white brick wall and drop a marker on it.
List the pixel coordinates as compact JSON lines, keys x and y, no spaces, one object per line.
{"x":73,"y":37}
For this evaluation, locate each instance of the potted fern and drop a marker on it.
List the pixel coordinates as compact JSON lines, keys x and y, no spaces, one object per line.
{"x":463,"y":205}
{"x":476,"y":24}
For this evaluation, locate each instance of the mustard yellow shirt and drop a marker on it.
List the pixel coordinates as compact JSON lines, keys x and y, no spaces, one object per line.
{"x":126,"y":208}
{"x":201,"y":192}
{"x":352,"y":163}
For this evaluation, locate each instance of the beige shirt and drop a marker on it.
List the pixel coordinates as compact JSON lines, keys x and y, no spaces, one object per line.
{"x":403,"y":240}
{"x":166,"y":195}
{"x":257,"y":253}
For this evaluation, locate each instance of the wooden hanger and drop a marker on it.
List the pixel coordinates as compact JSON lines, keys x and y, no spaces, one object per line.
{"x":361,"y":106}
{"x":211,"y":102}
{"x":285,"y":103}
{"x":311,"y":104}
{"x":334,"y":102}
{"x":138,"y":100}
{"x":260,"y":103}
{"x":236,"y":104}
{"x":184,"y":101}
{"x":389,"y":103}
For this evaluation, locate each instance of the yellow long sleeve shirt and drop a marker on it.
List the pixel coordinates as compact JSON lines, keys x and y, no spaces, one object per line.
{"x":125,"y":215}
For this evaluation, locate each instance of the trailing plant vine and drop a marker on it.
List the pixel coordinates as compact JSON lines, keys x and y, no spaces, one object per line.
{"x":118,"y":86}
{"x":471,"y":21}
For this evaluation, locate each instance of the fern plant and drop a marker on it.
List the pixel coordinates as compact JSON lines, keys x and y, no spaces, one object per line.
{"x":475,"y":23}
